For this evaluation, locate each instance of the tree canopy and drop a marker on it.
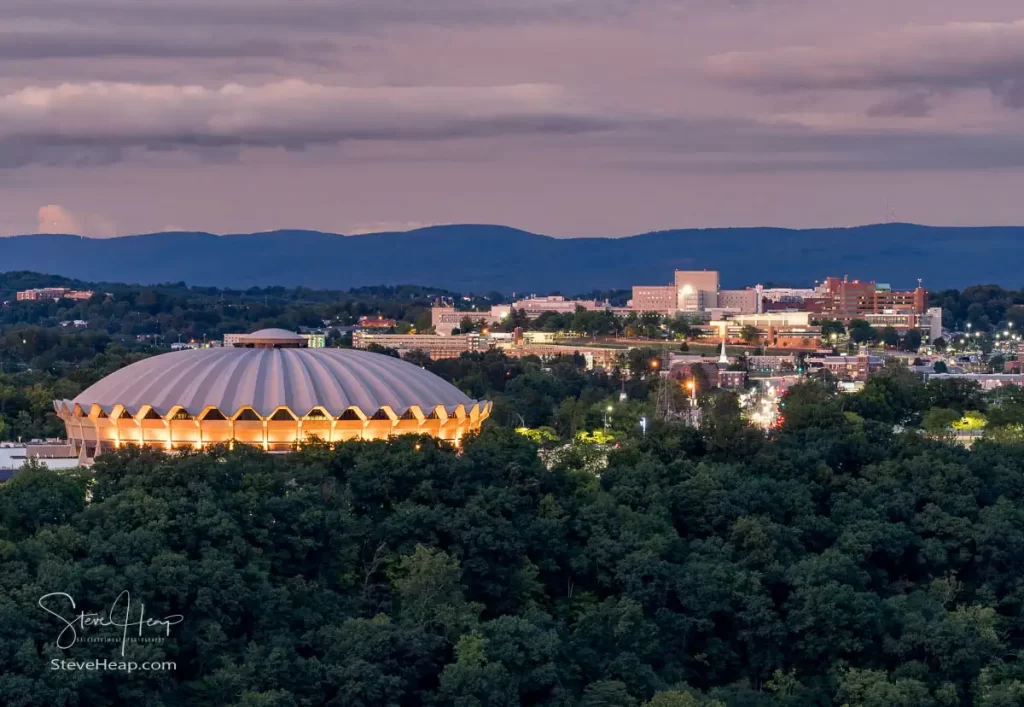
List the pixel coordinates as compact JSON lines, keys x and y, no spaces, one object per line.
{"x":835,"y":560}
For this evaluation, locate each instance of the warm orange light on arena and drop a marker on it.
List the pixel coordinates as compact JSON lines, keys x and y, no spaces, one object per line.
{"x":273,"y":395}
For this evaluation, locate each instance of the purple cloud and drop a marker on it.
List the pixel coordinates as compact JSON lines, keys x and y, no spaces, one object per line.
{"x":961,"y":55}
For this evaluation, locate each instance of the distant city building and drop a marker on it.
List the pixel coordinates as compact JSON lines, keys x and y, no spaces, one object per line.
{"x":787,"y":295}
{"x":739,"y":301}
{"x":437,"y":346}
{"x":377,"y":322}
{"x":594,"y":356}
{"x":697,"y":290}
{"x":855,"y":367}
{"x":783,"y":330}
{"x":691,"y":291}
{"x":771,"y":364}
{"x":536,"y":306}
{"x":541,"y":337}
{"x":53,"y":293}
{"x":446,"y":319}
{"x":655,"y":298}
{"x":929,"y":323}
{"x":845,"y":299}
{"x":732,"y":379}
{"x":315,"y":340}
{"x":987,"y":381}
{"x":772,"y":319}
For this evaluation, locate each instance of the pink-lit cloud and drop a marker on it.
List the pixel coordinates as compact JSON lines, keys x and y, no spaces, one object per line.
{"x":54,"y":218}
{"x":958,"y":55}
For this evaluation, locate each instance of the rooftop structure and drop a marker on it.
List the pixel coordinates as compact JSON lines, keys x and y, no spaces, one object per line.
{"x":846,"y":299}
{"x":271,"y":391}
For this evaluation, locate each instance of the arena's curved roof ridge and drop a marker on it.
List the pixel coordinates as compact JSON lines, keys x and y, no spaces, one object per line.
{"x":275,"y":334}
{"x":265,"y":380}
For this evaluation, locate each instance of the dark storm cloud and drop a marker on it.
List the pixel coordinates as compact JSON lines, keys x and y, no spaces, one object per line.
{"x":942,"y":57}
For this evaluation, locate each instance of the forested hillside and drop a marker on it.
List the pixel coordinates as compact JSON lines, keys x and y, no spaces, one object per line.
{"x":836,"y":561}
{"x":481,"y":258}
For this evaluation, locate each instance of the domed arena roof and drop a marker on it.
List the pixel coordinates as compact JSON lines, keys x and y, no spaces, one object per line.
{"x":300,"y":379}
{"x":282,"y":334}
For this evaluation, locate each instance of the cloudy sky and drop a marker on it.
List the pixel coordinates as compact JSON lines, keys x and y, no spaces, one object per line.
{"x":566,"y":117}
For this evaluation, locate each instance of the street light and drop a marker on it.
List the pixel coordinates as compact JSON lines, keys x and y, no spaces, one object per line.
{"x":607,"y":412}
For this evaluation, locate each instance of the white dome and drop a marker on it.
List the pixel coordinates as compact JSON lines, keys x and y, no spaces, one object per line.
{"x":266,"y":379}
{"x":275,"y":335}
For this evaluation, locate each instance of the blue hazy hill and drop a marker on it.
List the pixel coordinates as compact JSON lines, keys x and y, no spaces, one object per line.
{"x":480,"y":258}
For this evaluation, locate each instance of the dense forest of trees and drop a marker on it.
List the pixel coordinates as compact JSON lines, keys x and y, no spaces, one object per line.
{"x":984,"y":307}
{"x":843,"y":559}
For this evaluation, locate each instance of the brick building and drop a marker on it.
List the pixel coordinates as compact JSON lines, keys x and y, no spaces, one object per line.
{"x":845,"y":299}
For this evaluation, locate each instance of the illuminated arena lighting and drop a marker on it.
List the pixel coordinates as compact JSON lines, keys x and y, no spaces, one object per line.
{"x":269,"y":390}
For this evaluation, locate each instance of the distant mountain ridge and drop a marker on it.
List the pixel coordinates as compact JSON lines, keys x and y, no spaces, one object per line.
{"x":482,"y":258}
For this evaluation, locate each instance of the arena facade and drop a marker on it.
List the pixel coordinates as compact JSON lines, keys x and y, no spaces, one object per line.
{"x":267,"y":390}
